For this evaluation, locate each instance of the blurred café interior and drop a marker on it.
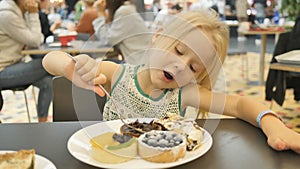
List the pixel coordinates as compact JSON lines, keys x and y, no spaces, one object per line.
{"x":52,"y":117}
{"x":255,"y":28}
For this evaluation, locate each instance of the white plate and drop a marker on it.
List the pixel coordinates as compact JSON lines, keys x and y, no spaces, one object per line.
{"x":40,"y":161}
{"x":79,"y":147}
{"x":292,"y":57}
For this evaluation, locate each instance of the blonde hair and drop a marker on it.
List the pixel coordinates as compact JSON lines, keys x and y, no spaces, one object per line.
{"x":208,"y":22}
{"x":89,"y":2}
{"x":215,"y":31}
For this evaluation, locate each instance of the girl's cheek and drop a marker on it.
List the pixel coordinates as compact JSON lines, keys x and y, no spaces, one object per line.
{"x":159,"y":58}
{"x":185,"y":78}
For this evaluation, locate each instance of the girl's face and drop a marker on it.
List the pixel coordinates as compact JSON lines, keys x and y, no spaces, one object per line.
{"x":185,"y":62}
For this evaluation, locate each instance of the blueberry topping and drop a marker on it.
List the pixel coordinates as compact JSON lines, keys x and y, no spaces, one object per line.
{"x":163,"y":140}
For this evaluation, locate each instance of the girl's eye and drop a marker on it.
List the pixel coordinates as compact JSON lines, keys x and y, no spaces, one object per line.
{"x":178,"y":51}
{"x":192,"y":68}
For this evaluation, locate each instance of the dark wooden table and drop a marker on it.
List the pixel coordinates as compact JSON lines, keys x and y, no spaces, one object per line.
{"x":236,"y":145}
{"x":46,"y":48}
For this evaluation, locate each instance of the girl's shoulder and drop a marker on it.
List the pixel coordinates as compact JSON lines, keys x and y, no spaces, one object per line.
{"x":123,"y":71}
{"x":190,"y":95}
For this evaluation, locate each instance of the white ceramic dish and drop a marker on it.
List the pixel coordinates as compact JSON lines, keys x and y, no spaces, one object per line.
{"x":40,"y":161}
{"x":79,"y":147}
{"x":292,"y":57}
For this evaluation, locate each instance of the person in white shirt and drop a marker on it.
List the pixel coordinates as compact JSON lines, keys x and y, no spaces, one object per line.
{"x":120,"y":25}
{"x":20,"y":27}
{"x":200,"y":4}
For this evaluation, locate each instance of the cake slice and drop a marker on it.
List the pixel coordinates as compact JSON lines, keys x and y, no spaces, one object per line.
{"x":161,"y":146}
{"x":22,"y":159}
{"x":113,"y":148}
{"x":187,"y":127}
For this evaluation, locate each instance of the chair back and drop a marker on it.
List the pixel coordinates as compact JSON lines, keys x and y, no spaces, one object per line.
{"x":83,"y":36}
{"x":71,"y":103}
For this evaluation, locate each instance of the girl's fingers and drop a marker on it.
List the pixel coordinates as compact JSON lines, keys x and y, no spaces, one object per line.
{"x":99,"y":91}
{"x":285,"y":140}
{"x":100,"y":79}
{"x":86,"y":68}
{"x":89,"y":76}
{"x":85,"y":65}
{"x":277,"y":144}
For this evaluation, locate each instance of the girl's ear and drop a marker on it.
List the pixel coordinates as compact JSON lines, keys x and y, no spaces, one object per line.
{"x":156,"y":34}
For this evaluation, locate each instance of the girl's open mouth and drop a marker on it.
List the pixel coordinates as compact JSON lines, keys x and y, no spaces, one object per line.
{"x":168,"y":76}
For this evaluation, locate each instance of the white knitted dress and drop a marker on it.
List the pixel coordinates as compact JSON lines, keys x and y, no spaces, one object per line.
{"x":128,"y":95}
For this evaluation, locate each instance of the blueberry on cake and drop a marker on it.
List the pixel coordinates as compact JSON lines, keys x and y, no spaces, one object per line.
{"x":161,"y":146}
{"x":185,"y":127}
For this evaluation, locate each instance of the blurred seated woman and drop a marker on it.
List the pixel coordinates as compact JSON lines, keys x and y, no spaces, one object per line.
{"x":85,"y":23}
{"x":20,"y":27}
{"x":120,"y":25}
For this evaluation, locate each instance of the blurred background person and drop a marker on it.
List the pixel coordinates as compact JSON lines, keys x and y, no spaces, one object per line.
{"x":260,"y":7}
{"x":162,"y":15}
{"x":85,"y":23}
{"x":120,"y":25}
{"x":175,"y":9}
{"x":156,"y":7}
{"x":241,"y":7}
{"x":201,"y":4}
{"x":78,"y":7}
{"x":165,"y":16}
{"x":43,"y":16}
{"x":221,"y":8}
{"x":47,"y":28}
{"x":54,"y":16}
{"x":20,"y":27}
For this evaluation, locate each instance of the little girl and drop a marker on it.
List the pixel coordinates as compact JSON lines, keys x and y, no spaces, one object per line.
{"x":181,"y":68}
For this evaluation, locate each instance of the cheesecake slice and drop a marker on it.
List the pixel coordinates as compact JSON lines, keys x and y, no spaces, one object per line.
{"x":22,"y":159}
{"x":113,"y":148}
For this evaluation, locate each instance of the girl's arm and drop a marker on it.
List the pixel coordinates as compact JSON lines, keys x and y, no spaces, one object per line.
{"x":85,"y":73}
{"x":279,"y":136}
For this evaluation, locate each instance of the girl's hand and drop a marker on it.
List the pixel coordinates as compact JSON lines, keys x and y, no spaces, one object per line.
{"x":31,"y":6}
{"x":85,"y":73}
{"x":283,"y":138}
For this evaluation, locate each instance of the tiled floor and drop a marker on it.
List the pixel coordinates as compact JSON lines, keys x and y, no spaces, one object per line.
{"x":14,"y":107}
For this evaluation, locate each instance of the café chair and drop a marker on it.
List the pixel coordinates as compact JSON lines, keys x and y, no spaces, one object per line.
{"x":277,"y":80}
{"x":16,"y":89}
{"x":72,"y":103}
{"x":83,"y":36}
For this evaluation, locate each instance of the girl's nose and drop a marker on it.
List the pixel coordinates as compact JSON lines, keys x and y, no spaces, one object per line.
{"x":179,"y":66}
